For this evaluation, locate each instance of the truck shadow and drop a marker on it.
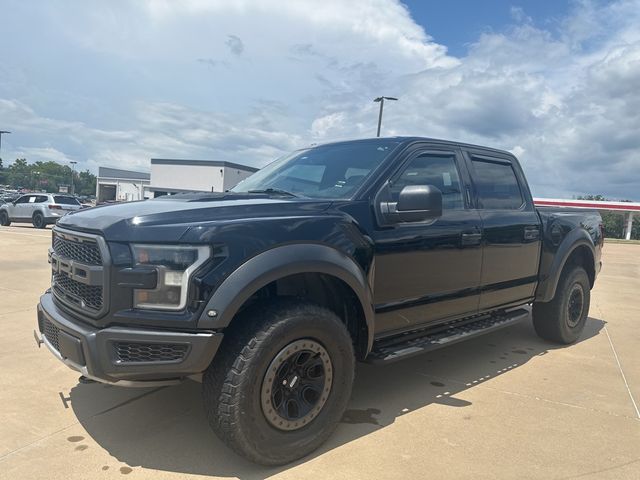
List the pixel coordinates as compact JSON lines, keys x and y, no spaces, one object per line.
{"x":166,"y":428}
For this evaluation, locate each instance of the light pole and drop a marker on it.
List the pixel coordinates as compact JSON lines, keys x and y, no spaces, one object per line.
{"x":2,"y":132}
{"x":381,"y":101}
{"x":73,"y":170}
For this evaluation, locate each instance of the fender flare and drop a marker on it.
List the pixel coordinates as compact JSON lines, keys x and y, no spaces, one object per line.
{"x":280,"y":262}
{"x":575,"y":239}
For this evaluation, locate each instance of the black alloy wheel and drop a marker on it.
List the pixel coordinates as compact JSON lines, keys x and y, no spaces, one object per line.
{"x":296,"y":385}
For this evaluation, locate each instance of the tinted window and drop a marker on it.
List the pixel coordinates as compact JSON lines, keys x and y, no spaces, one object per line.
{"x":437,"y":170}
{"x":497,"y":185}
{"x":41,"y":198}
{"x":65,"y":200}
{"x":326,"y":171}
{"x":24,"y":199}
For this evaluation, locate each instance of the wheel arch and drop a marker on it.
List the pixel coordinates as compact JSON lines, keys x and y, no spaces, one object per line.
{"x":325,"y":275}
{"x":576,"y":249}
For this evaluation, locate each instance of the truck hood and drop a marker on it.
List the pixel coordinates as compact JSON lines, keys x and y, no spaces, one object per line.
{"x":168,"y":219}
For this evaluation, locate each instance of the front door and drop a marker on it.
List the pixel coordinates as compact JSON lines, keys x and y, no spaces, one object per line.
{"x":429,"y":271}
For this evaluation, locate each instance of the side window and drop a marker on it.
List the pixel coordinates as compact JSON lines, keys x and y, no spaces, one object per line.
{"x":23,"y":199}
{"x":497,"y":185}
{"x":432,"y":169}
{"x":41,"y":198}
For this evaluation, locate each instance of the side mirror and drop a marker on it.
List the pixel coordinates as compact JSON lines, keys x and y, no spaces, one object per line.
{"x":416,"y":203}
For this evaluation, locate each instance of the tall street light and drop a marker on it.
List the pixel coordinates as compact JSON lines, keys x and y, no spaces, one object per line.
{"x":381,"y":101}
{"x":73,"y":170}
{"x":2,"y":132}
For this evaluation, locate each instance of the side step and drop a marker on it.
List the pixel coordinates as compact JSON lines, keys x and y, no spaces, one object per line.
{"x":398,"y":348}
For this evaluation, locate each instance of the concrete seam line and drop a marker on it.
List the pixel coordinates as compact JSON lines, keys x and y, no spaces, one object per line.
{"x":8,"y":454}
{"x":624,"y":378}
{"x":483,"y":386}
{"x":26,"y":234}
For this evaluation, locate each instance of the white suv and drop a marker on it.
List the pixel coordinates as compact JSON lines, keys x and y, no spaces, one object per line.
{"x":41,"y":209}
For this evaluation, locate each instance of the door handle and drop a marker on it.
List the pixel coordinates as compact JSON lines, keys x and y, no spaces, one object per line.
{"x":471,"y":239}
{"x":531,"y":233}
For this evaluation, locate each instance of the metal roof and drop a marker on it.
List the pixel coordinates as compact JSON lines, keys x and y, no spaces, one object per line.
{"x":591,"y":204}
{"x":107,"y":172}
{"x":206,"y":163}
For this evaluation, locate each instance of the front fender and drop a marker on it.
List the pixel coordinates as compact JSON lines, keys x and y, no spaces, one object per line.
{"x":280,"y":262}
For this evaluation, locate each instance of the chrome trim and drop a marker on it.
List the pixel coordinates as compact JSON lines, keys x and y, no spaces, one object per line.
{"x":83,"y":370}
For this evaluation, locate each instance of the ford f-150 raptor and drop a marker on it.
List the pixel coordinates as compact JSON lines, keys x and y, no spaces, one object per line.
{"x":370,"y":250}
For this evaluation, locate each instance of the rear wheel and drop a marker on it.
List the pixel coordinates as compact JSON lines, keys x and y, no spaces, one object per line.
{"x":38,"y":220}
{"x":281,"y":381}
{"x":4,"y":219}
{"x":562,"y":319}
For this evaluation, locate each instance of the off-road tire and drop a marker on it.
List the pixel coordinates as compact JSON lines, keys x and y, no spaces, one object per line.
{"x":553,"y":320}
{"x":4,"y":219}
{"x":38,"y":220}
{"x":232,"y":385}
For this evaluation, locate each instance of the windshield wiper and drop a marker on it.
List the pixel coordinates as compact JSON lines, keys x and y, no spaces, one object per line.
{"x":274,"y":191}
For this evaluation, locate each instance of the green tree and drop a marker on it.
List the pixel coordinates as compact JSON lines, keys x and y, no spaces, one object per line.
{"x":48,"y":176}
{"x":614,"y":223}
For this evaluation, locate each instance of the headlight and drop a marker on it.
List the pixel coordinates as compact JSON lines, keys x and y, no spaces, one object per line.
{"x":175,"y":264}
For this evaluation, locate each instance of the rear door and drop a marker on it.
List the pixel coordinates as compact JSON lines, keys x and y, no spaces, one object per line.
{"x":510,"y":230}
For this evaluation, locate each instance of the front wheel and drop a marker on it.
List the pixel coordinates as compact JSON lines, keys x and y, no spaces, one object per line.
{"x":281,"y":381}
{"x":562,"y":320}
{"x":4,"y":219}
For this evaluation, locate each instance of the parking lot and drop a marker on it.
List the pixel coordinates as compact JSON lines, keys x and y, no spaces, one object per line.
{"x":506,"y":405}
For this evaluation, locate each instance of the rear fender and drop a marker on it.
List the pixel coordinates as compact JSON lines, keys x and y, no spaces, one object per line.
{"x":549,"y":280}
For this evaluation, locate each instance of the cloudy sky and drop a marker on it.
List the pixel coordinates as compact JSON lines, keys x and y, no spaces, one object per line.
{"x":116,"y":83}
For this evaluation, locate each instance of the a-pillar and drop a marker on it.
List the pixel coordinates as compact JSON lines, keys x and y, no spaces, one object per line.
{"x":629,"y":226}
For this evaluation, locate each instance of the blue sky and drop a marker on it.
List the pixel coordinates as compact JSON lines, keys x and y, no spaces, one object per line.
{"x":117,"y":83}
{"x":459,"y":23}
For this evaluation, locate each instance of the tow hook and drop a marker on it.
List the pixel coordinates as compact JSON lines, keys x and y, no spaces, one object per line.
{"x":39,"y":340}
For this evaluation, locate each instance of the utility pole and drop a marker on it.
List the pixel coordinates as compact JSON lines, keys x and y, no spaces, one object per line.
{"x":2,"y":132}
{"x":381,"y":101}
{"x":73,"y":170}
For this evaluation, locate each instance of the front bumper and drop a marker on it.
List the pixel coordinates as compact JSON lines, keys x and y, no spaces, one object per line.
{"x":123,"y":355}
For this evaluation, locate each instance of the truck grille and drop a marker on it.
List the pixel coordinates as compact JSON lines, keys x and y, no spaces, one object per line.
{"x":85,"y":251}
{"x":51,"y":333}
{"x":79,"y":274}
{"x":78,"y":293}
{"x":127,"y":352}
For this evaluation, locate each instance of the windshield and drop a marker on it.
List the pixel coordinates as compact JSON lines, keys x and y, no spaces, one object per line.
{"x":328,"y":171}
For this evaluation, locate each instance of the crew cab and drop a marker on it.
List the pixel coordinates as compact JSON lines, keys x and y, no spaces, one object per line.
{"x":371,"y":250}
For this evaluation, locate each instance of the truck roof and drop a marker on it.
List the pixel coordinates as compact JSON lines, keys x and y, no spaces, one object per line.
{"x":411,"y":139}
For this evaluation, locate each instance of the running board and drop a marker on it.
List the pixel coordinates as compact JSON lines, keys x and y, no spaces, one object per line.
{"x":398,"y":348}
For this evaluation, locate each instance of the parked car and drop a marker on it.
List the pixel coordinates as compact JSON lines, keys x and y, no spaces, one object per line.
{"x":373,"y":250}
{"x":40,"y":209}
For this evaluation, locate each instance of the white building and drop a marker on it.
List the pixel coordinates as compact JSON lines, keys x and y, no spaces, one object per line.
{"x":172,"y":176}
{"x":119,"y":185}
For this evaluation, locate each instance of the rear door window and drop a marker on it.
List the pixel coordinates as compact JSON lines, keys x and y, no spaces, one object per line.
{"x":497,"y":185}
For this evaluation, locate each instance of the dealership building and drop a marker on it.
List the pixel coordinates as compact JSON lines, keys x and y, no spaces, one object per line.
{"x":171,"y":176}
{"x":117,"y":185}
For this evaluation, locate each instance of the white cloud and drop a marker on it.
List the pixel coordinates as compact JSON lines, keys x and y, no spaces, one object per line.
{"x":248,"y":80}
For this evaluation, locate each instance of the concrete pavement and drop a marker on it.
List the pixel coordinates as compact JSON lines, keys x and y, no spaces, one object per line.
{"x":506,"y":405}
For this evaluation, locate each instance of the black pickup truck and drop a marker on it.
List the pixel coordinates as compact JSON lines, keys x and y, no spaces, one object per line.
{"x":370,"y":250}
